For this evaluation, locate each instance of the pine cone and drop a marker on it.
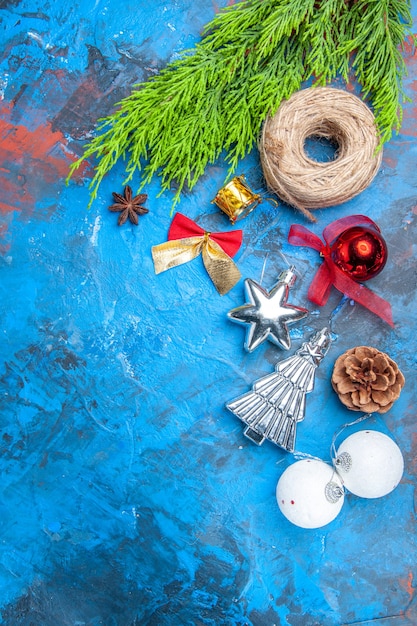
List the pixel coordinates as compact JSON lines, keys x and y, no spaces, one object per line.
{"x":367,"y":380}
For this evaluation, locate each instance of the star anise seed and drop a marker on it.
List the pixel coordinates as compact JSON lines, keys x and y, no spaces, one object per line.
{"x":128,"y":206}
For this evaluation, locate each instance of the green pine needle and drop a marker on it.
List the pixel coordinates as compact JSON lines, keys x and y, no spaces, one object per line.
{"x":253,"y":55}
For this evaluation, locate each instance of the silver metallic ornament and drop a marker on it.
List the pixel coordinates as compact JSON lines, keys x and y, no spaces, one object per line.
{"x":277,"y":401}
{"x":268,"y":315}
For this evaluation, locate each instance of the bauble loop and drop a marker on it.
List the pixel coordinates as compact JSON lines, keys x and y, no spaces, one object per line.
{"x":344,"y":461}
{"x":322,"y":112}
{"x":367,"y":380}
{"x":333,"y":492}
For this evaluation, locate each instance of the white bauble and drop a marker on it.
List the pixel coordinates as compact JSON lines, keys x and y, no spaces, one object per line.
{"x":310,"y":493}
{"x":370,"y":464}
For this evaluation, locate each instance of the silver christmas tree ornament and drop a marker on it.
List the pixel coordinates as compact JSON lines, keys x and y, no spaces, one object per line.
{"x":277,"y":401}
{"x":268,"y":313}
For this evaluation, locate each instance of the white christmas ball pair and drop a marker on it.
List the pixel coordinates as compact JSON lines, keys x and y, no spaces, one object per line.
{"x":310,"y":493}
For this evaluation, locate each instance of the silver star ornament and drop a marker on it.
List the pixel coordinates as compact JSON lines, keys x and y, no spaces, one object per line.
{"x":268,"y":315}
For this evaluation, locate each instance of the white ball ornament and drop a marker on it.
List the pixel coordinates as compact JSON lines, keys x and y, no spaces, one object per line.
{"x":369,"y":463}
{"x":310,"y":493}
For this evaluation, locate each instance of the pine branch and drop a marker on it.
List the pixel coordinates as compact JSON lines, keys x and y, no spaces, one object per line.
{"x":325,"y":41}
{"x":253,"y":55}
{"x":378,"y":62}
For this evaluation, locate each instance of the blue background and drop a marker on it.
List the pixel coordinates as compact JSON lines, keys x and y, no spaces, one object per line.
{"x":129,"y":494}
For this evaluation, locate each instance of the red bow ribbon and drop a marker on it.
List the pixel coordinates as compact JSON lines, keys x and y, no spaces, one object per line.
{"x":182,"y":227}
{"x":329,"y":274}
{"x":186,"y":240}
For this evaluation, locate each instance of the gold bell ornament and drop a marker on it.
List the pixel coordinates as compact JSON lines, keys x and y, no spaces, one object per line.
{"x":236,"y":199}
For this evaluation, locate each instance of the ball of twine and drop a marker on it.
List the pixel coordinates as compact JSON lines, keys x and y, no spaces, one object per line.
{"x":320,"y":112}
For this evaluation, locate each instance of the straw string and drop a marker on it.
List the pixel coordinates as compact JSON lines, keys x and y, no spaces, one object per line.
{"x":321,"y":112}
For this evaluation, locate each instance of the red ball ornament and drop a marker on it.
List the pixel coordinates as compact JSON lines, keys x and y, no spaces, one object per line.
{"x":360,"y":252}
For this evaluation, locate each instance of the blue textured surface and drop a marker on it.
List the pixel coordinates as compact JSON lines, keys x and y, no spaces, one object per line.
{"x":129,"y":494}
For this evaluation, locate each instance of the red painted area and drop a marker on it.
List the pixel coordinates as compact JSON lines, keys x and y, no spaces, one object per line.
{"x":410,"y":51}
{"x":407,"y":585}
{"x":390,"y":161}
{"x":409,"y":126}
{"x":30,"y":159}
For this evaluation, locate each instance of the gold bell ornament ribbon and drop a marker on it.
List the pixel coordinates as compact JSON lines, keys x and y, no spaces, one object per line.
{"x":236,"y":199}
{"x":186,"y":241}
